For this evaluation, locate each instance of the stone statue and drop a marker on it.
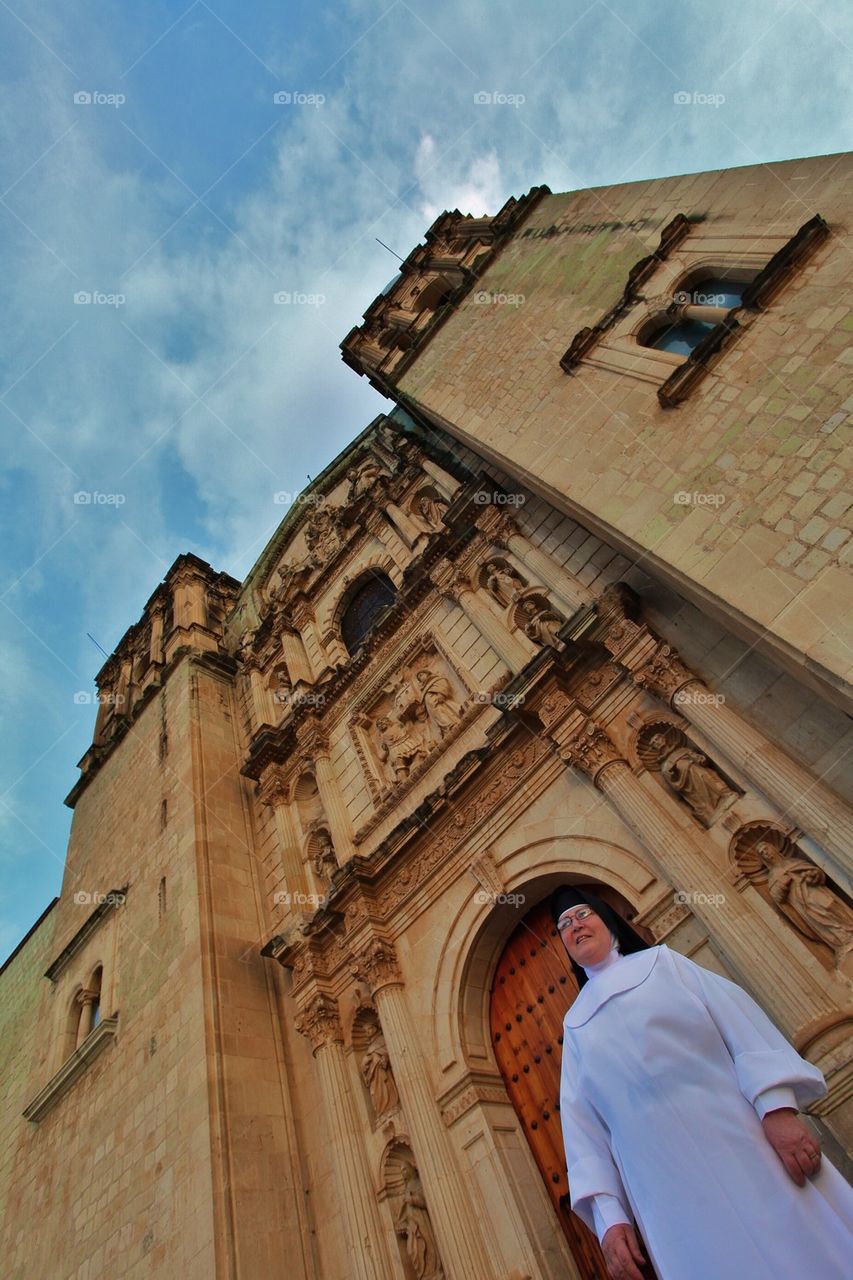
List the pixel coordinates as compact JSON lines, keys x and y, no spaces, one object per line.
{"x":428,"y":512}
{"x":542,"y":623}
{"x":399,"y":748}
{"x":442,"y":713}
{"x":364,"y":478}
{"x":689,"y":773}
{"x":323,"y":859}
{"x":414,"y":1226}
{"x":377,"y":1075}
{"x":801,"y":893}
{"x":503,"y":582}
{"x":322,"y":536}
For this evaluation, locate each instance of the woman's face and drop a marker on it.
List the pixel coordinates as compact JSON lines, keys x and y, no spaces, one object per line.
{"x":587,"y":940}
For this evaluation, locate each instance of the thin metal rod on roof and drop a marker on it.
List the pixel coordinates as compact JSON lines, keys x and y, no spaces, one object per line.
{"x":385,"y":246}
{"x":94,"y":642}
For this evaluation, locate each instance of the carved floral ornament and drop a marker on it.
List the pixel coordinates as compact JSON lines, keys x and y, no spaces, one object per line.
{"x":320,"y":1021}
{"x":591,"y":750}
{"x":377,"y":965}
{"x":665,"y":674}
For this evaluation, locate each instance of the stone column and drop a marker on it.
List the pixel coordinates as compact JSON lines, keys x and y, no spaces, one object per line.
{"x":505,"y":643}
{"x":365,"y":1245}
{"x":316,"y":747}
{"x":273,"y":791}
{"x":86,"y":1000}
{"x":156,"y":646}
{"x":502,"y":530}
{"x":295,"y":656}
{"x":453,"y":1214}
{"x":403,"y":523}
{"x":756,"y":953}
{"x":801,"y":797}
{"x":446,"y":482}
{"x":261,"y":708}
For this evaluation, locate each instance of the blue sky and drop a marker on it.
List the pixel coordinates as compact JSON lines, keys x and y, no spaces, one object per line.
{"x":182,"y":198}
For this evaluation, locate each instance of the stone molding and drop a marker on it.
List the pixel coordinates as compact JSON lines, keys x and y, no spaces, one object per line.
{"x":73,"y":1067}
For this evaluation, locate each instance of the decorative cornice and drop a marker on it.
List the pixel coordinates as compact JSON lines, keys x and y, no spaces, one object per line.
{"x":109,"y":902}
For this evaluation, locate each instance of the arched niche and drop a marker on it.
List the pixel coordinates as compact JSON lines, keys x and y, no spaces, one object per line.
{"x":477,"y":935}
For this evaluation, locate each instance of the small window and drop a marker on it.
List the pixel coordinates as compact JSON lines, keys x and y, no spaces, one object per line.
{"x":369,"y":601}
{"x":696,"y":312}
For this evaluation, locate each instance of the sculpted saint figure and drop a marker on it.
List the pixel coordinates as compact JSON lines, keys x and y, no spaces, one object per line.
{"x":542,"y":623}
{"x":428,"y":512}
{"x":503,"y":582}
{"x":399,"y":748}
{"x":800,"y":891}
{"x":442,"y":713}
{"x":364,"y":478}
{"x":324,"y":860}
{"x":377,"y":1075}
{"x":689,"y":773}
{"x":414,"y":1225}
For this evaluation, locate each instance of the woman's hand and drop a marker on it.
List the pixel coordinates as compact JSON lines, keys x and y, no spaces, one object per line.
{"x":622,"y":1253}
{"x":793,"y":1142}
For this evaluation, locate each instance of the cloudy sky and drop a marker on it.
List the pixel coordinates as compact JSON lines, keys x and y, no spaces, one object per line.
{"x":169,"y":168}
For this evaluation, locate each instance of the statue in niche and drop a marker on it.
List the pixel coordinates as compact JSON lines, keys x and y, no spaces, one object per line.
{"x":541,"y":623}
{"x":427,"y":512}
{"x":690,"y":774}
{"x":414,"y":1225}
{"x":364,"y":478}
{"x":323,"y":859}
{"x":378,"y":1077}
{"x":399,"y":749}
{"x":801,"y":893}
{"x":436,"y":697}
{"x":503,"y":582}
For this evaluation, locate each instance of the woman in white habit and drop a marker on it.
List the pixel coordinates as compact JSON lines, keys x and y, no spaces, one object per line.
{"x":678,"y":1102}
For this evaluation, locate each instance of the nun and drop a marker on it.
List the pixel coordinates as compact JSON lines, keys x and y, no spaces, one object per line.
{"x":678,"y":1102}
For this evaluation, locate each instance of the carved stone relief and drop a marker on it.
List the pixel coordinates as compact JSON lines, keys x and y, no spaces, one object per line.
{"x":540,"y":622}
{"x":412,"y":1223}
{"x":689,"y":774}
{"x":427,"y":511}
{"x":797,"y":887}
{"x":502,"y":581}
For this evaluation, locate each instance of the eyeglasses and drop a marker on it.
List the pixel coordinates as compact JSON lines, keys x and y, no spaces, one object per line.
{"x":566,"y":921}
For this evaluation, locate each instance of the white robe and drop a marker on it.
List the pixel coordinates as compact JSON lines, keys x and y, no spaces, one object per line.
{"x":666,"y":1071}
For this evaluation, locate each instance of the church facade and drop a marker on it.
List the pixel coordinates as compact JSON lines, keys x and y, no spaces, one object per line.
{"x":574,"y":610}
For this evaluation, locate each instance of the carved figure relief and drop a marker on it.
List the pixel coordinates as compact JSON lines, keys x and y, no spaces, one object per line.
{"x":427,"y":511}
{"x":798,"y":889}
{"x":365,"y":478}
{"x":377,"y":1075}
{"x":436,"y":703}
{"x":400,"y":748}
{"x":539,"y":621}
{"x":503,"y":582}
{"x":323,"y":536}
{"x":414,"y":1226}
{"x":690,"y":775}
{"x":323,"y":858}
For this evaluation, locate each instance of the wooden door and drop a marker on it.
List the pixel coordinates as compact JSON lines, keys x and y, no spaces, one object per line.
{"x":532,"y":989}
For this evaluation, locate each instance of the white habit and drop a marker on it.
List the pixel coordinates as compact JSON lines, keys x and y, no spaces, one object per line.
{"x":667,"y":1069}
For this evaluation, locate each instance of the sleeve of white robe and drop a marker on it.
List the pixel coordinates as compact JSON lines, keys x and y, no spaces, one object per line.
{"x":770,"y":1072}
{"x":598,"y":1196}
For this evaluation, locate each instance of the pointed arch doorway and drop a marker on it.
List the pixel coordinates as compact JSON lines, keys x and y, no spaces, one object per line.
{"x":532,"y":988}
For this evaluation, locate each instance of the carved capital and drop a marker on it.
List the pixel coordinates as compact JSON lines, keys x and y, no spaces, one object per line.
{"x":591,"y":750}
{"x":320,"y":1021}
{"x":272,"y":786}
{"x":377,"y":965}
{"x":664,"y":674}
{"x":449,"y":579}
{"x":554,"y":707}
{"x":313,"y":742}
{"x":496,"y":525}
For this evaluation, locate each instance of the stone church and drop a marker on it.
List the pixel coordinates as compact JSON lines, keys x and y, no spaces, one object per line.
{"x":573,"y":610}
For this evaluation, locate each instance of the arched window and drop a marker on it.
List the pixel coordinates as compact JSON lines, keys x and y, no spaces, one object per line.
{"x":368,"y":602}
{"x":696,"y":311}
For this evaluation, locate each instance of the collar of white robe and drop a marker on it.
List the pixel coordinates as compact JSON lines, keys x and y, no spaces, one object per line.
{"x":610,"y":978}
